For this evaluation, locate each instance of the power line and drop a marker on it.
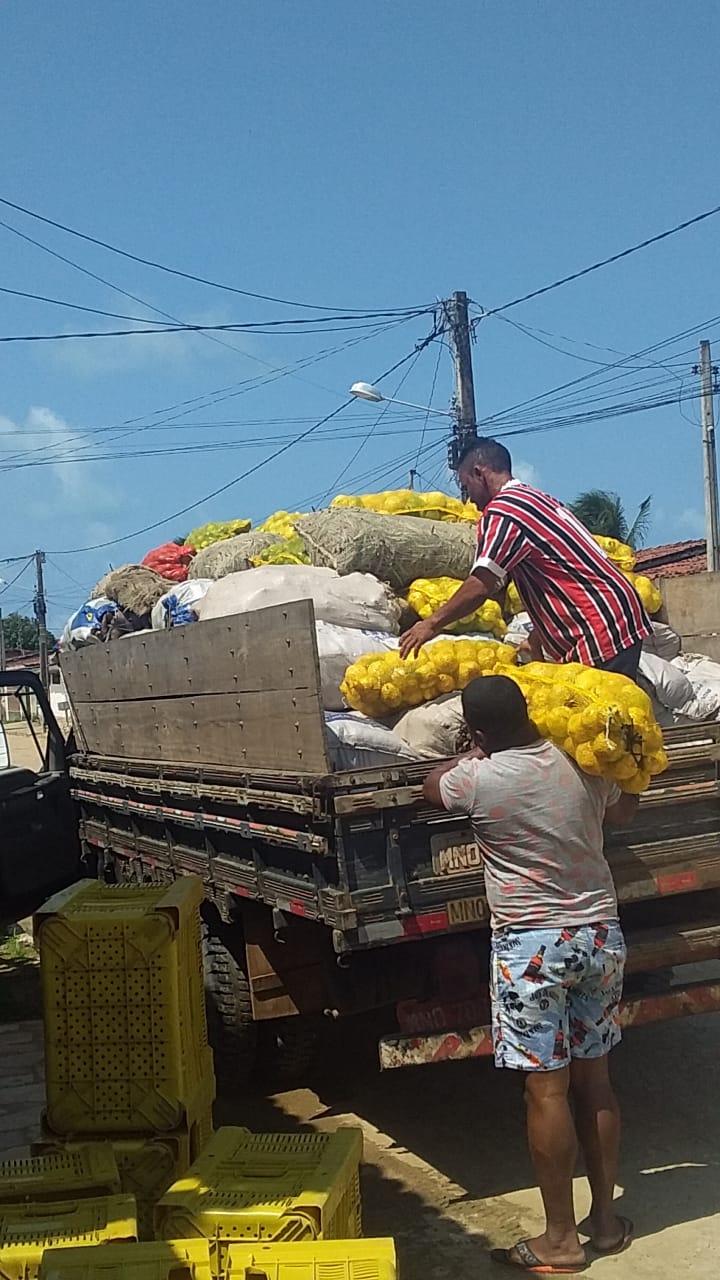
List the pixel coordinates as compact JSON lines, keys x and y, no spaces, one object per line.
{"x":605,"y":262}
{"x":253,"y":326}
{"x":18,"y":575}
{"x":430,"y":400}
{"x":111,"y":542}
{"x":159,"y":266}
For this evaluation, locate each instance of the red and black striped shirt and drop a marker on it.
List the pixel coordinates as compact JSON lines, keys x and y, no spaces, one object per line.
{"x":582,"y":607}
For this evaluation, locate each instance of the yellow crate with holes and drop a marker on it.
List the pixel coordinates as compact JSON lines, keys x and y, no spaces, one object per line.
{"x":268,"y":1187}
{"x":161,"y":1260}
{"x":88,"y":1169}
{"x":126,"y":1043}
{"x":27,"y":1230}
{"x":313,"y":1260}
{"x":144,"y":1167}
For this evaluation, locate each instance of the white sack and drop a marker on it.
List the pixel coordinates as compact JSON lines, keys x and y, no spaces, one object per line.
{"x":175,"y":608}
{"x":356,"y":742}
{"x":670,"y":686}
{"x":338,"y":648}
{"x":435,"y":728}
{"x":357,"y":600}
{"x":664,"y":642}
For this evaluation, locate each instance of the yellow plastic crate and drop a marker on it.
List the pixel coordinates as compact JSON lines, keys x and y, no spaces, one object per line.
{"x":161,"y":1260}
{"x":268,"y":1186}
{"x":126,"y":1045}
{"x":27,"y":1230}
{"x":144,"y":1166}
{"x":87,"y":1169}
{"x":312,"y":1260}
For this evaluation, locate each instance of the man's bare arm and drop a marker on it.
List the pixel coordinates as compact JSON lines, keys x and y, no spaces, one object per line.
{"x":431,"y":785}
{"x":622,"y":813}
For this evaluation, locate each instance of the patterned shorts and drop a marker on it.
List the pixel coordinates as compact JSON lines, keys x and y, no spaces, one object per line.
{"x":555,"y":994}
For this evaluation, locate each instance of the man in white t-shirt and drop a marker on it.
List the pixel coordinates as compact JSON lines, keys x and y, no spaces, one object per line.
{"x":557,"y":956}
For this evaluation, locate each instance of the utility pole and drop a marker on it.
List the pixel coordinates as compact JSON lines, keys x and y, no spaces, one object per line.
{"x":712,"y":520}
{"x":41,"y":618}
{"x":465,"y":429}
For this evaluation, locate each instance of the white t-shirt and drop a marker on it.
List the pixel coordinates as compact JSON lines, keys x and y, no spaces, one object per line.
{"x":539,"y":823}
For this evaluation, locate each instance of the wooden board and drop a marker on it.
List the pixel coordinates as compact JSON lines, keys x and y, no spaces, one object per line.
{"x":242,"y":691}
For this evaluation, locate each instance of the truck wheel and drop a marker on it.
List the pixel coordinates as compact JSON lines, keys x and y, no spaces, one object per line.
{"x":232,"y":1030}
{"x":287,"y":1049}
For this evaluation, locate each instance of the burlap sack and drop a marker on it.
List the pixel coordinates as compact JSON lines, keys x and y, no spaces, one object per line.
{"x":396,"y":549}
{"x":231,"y":555}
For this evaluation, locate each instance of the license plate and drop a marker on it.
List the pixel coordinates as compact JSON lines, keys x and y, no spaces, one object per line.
{"x":466,"y":911}
{"x":454,"y":854}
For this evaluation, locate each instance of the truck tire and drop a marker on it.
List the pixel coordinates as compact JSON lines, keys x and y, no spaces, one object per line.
{"x":286,"y":1050}
{"x":231,"y":1028}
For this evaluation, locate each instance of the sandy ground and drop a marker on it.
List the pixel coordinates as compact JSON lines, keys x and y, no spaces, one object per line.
{"x":447,"y":1172}
{"x":22,"y":750}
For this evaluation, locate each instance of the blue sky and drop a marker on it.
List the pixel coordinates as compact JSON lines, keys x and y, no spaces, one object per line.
{"x":353,"y":156}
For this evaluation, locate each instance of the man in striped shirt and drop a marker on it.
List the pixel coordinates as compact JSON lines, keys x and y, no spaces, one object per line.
{"x":581,"y":606}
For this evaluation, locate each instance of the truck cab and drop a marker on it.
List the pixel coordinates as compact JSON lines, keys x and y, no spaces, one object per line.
{"x":39,"y":844}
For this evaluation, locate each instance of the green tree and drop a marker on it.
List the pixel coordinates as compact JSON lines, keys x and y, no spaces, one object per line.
{"x":22,"y":632}
{"x":602,"y":512}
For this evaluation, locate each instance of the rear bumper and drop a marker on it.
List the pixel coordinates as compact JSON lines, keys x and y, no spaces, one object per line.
{"x":476,"y":1042}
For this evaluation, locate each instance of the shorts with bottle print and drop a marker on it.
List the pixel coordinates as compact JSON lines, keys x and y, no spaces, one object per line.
{"x":556,"y":994}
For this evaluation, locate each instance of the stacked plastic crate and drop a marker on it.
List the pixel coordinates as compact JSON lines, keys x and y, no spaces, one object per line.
{"x":127,"y":1059}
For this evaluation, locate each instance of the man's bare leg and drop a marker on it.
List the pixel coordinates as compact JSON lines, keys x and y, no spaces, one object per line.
{"x":553,"y":1148}
{"x":597,"y":1120}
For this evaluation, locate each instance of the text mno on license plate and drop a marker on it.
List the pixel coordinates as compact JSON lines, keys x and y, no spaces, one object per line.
{"x":454,"y":854}
{"x":466,"y":911}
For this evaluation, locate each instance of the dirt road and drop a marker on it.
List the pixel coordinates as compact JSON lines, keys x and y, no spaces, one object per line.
{"x":448,"y":1174}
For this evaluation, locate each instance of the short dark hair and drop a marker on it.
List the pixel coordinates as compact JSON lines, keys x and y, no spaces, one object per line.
{"x":487,"y":453}
{"x":495,"y":705}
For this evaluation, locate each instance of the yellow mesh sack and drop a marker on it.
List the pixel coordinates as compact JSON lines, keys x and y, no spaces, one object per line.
{"x":619,"y":552}
{"x":379,"y":683}
{"x":425,"y":595}
{"x":646,"y":590}
{"x":206,"y":534}
{"x":280,"y":522}
{"x":601,"y":719}
{"x":411,"y":502}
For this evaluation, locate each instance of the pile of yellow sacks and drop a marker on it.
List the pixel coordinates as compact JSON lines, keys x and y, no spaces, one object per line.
{"x":206,"y":534}
{"x":280,"y":522}
{"x":603,"y":720}
{"x":425,"y":595}
{"x":410,"y":502}
{"x":379,"y":683}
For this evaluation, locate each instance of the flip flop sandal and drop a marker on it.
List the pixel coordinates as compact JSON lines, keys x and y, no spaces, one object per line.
{"x":623,"y":1243}
{"x":529,"y":1262}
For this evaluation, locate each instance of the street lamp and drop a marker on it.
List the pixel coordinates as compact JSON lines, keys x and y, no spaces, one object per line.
{"x":366,"y":391}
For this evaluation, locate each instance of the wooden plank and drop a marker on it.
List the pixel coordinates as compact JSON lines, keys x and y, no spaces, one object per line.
{"x":271,"y":648}
{"x":240,"y":692}
{"x":273,"y":729}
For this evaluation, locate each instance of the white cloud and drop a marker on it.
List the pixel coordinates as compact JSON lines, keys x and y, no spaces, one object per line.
{"x":526,"y":472}
{"x":93,"y":357}
{"x":44,"y":437}
{"x":692,"y":522}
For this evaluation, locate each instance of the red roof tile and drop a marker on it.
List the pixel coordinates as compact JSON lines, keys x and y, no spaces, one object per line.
{"x":672,"y":559}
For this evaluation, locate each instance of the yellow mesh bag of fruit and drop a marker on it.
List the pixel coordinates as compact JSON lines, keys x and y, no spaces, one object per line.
{"x":601,"y":719}
{"x":379,"y":683}
{"x":425,"y":595}
{"x":206,"y":534}
{"x":619,"y":552}
{"x":280,"y":522}
{"x":646,"y":590}
{"x":411,"y":502}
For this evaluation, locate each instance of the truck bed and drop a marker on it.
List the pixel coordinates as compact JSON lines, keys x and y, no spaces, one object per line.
{"x":361,"y":852}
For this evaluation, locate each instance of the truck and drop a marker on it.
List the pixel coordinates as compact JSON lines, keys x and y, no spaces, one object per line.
{"x":328,"y":895}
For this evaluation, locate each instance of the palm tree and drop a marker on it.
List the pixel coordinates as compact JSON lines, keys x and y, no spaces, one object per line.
{"x":602,"y":512}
